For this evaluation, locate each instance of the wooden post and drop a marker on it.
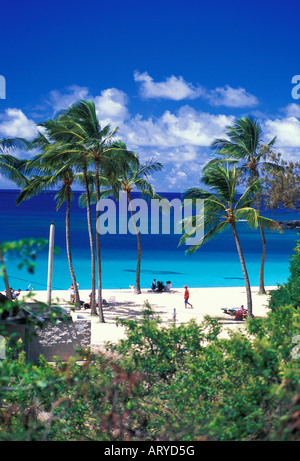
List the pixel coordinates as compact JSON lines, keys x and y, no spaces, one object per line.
{"x":50,"y":263}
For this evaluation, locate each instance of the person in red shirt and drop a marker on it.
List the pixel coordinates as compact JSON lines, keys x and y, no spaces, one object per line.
{"x":186,"y":297}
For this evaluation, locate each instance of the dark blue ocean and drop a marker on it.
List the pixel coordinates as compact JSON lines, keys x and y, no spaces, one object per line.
{"x":215,"y":265}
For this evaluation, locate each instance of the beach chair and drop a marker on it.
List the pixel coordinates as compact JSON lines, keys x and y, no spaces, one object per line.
{"x":111,"y":300}
{"x":230,"y":310}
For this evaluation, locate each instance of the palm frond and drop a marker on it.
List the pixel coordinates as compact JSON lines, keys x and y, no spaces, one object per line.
{"x":270,"y":224}
{"x":6,"y":144}
{"x":10,"y":167}
{"x":249,"y":195}
{"x":249,"y":214}
{"x":61,"y":195}
{"x":82,"y":201}
{"x":217,"y":229}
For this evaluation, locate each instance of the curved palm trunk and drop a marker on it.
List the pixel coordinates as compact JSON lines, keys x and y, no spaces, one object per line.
{"x":263,"y":240}
{"x":4,"y":273}
{"x":261,"y":289}
{"x":137,"y":287}
{"x":244,"y":269}
{"x":91,"y":237}
{"x":68,"y":245}
{"x":262,"y":263}
{"x":98,"y":247}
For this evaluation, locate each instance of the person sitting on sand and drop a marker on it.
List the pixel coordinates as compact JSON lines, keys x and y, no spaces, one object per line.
{"x":160,"y":287}
{"x":168,"y":286}
{"x":241,"y":314}
{"x":153,"y":286}
{"x":186,"y":297}
{"x":12,"y":292}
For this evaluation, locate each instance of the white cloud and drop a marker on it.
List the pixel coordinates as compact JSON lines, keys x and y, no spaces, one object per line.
{"x":111,"y":106}
{"x":292,"y":110}
{"x":59,"y":101}
{"x":286,"y":129}
{"x":231,"y":97}
{"x":186,"y":127}
{"x":180,"y":141}
{"x":174,"y":88}
{"x":15,"y":123}
{"x":177,"y":89}
{"x":176,"y":179}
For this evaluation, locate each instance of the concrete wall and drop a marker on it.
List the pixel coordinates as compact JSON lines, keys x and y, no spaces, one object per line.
{"x":59,"y":339}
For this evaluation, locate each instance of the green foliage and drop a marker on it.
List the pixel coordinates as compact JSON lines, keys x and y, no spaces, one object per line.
{"x":26,"y":250}
{"x":180,"y":382}
{"x":290,"y":292}
{"x":159,"y":351}
{"x":183,"y":382}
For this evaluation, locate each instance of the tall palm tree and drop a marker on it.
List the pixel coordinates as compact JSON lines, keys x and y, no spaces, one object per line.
{"x":95,"y":144}
{"x":95,"y":147}
{"x":131,"y":174}
{"x":50,"y":175}
{"x":66,"y":138}
{"x":11,"y":168}
{"x":223,"y":208}
{"x":244,"y":143}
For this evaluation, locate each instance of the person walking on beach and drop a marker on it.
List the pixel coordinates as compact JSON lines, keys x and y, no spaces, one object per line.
{"x":186,"y":297}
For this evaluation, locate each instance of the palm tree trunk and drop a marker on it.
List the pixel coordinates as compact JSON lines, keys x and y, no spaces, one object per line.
{"x":137,"y":287}
{"x":91,"y":237}
{"x":68,"y":245}
{"x":244,"y":269}
{"x":98,"y":247}
{"x":4,"y":273}
{"x":262,"y":289}
{"x":263,"y":240}
{"x":263,"y":256}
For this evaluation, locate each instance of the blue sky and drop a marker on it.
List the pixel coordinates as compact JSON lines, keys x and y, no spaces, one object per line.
{"x":170,"y":74}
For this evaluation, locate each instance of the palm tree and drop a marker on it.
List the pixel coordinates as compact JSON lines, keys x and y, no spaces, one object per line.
{"x":132,"y":175}
{"x":50,"y":175}
{"x":245,"y":143}
{"x":66,"y":137}
{"x":96,"y":146}
{"x":222,"y":208}
{"x":11,"y":168}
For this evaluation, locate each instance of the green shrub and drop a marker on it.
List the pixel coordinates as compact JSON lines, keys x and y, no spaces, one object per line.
{"x":177,"y":383}
{"x":183,"y":382}
{"x":289,"y":293}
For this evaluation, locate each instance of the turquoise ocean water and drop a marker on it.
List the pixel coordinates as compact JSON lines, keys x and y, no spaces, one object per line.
{"x":215,"y":265}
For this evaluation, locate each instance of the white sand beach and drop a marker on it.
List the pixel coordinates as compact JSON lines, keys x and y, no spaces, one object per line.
{"x":125,"y":303}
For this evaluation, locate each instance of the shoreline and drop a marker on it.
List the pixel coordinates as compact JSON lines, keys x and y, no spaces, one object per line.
{"x":125,"y":304}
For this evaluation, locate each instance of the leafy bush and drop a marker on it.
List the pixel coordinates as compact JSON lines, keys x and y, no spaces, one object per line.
{"x":183,"y":382}
{"x":178,"y":383}
{"x":290,"y":292}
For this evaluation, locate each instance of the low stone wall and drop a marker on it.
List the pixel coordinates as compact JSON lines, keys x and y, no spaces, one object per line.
{"x":60,"y":340}
{"x":52,"y":340}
